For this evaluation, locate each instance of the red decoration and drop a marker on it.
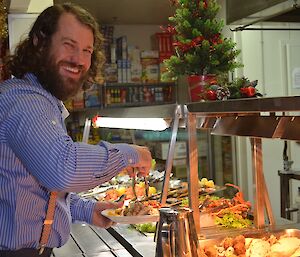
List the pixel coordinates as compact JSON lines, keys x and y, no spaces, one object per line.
{"x":213,"y":82}
{"x":169,"y":29}
{"x":248,"y":91}
{"x":185,"y":47}
{"x":215,"y":39}
{"x":211,"y":95}
{"x":198,"y":85}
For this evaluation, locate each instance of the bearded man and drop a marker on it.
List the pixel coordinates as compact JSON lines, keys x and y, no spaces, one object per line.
{"x":40,"y":165}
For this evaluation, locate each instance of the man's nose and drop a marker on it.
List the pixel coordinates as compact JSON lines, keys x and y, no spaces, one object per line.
{"x":78,"y":57}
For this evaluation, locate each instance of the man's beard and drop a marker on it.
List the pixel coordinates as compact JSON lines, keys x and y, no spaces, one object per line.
{"x":61,"y":87}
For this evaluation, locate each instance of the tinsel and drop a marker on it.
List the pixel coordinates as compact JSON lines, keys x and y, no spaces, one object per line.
{"x":3,"y":20}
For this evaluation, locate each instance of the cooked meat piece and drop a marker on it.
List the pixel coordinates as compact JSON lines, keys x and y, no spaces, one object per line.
{"x":239,"y":239}
{"x":239,"y":248}
{"x":227,"y":242}
{"x":211,"y":251}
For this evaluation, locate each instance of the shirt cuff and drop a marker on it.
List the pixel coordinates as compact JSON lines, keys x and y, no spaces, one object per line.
{"x":82,"y":209}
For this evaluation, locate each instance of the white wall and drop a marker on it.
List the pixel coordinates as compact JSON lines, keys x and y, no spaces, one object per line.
{"x":141,"y":36}
{"x":18,"y":27}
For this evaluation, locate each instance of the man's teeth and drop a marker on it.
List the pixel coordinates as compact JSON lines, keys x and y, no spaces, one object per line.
{"x":75,"y":70}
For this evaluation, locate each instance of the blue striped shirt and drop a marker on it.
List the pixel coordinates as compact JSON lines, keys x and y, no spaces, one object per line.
{"x":38,"y":156}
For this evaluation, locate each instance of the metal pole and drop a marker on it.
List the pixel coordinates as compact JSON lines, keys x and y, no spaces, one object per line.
{"x":193,"y":184}
{"x":169,"y":162}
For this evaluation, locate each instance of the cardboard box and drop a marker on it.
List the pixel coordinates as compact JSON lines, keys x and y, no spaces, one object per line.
{"x":150,"y":70}
{"x":111,"y":72}
{"x":162,"y":149}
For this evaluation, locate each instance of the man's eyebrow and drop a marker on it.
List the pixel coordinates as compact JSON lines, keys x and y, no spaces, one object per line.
{"x":75,"y":42}
{"x":70,"y":39}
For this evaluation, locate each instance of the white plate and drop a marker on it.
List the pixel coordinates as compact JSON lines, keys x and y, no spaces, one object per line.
{"x":130,"y":219}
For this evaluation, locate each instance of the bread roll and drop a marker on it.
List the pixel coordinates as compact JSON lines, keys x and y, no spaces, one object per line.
{"x":285,"y":246}
{"x":296,"y":253}
{"x":258,"y":248}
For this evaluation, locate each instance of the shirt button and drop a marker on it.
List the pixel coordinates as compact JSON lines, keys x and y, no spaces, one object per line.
{"x":130,"y":161}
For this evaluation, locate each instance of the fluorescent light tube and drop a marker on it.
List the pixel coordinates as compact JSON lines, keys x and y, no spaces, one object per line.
{"x":157,"y":124}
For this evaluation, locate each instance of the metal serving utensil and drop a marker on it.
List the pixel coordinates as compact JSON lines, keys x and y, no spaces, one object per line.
{"x":134,"y":183}
{"x":146,"y":187}
{"x":204,"y":203}
{"x":121,"y":198}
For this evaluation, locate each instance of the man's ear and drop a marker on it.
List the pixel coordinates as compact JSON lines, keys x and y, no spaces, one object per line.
{"x":35,"y":40}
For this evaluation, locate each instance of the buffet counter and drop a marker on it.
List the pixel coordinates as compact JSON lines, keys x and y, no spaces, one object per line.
{"x":90,"y":241}
{"x":124,"y":241}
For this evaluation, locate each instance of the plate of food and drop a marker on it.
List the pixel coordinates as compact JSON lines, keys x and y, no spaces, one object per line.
{"x":135,"y":213}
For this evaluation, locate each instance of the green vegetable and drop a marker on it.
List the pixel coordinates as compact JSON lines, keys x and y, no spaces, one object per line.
{"x":146,"y":227}
{"x":231,"y":220}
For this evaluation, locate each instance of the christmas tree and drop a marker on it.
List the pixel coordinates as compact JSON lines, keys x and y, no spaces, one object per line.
{"x":199,"y":45}
{"x":3,"y":21}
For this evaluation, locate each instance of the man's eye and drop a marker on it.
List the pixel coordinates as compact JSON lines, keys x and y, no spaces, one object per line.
{"x":88,"y":51}
{"x":68,"y":45}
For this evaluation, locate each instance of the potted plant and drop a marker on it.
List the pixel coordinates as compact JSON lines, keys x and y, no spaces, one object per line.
{"x":201,"y":52}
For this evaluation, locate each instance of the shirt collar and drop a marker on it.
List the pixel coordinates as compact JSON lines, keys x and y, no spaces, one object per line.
{"x":64,"y":111}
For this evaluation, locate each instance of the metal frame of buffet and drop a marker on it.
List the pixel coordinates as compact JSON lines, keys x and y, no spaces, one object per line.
{"x":255,"y":118}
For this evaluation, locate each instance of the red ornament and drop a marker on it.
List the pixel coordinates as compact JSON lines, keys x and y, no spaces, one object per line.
{"x":186,"y":47}
{"x":213,"y":82}
{"x":248,"y":91}
{"x":211,"y":95}
{"x":169,"y":29}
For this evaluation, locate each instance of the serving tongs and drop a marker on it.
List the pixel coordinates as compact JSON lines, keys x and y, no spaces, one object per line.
{"x":133,"y":185}
{"x":146,"y":186}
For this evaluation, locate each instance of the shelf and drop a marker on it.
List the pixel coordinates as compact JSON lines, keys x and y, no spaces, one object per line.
{"x":138,"y":104}
{"x":157,"y":84}
{"x":254,"y":117}
{"x":247,"y":105}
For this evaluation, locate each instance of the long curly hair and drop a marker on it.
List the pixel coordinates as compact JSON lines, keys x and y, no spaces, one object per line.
{"x":30,"y":54}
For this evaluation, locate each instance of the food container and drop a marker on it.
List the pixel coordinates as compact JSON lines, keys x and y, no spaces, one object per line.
{"x":271,"y":241}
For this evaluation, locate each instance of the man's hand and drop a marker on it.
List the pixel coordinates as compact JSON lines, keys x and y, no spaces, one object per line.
{"x":143,"y":166}
{"x":98,"y":219}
